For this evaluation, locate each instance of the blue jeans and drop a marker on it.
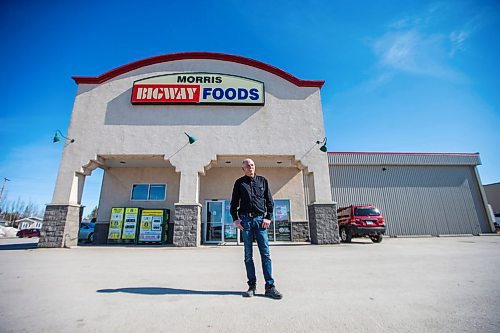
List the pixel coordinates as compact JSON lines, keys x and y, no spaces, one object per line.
{"x":253,"y":226}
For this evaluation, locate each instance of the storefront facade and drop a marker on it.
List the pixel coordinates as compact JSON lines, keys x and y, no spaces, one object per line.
{"x":170,"y":132}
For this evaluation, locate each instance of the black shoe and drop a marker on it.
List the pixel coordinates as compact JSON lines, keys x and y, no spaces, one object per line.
{"x":273,"y":293}
{"x":250,"y":292}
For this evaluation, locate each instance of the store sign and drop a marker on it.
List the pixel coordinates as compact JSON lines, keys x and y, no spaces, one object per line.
{"x":198,"y":88}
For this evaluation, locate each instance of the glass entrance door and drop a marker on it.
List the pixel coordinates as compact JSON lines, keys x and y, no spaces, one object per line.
{"x":213,"y":232}
{"x":230,"y":231}
{"x":218,"y":226}
{"x":282,"y":226}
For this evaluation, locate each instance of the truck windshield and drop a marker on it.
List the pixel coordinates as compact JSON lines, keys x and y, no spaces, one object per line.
{"x":366,"y":211}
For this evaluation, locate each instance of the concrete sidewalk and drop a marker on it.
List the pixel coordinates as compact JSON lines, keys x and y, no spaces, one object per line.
{"x":401,"y":285}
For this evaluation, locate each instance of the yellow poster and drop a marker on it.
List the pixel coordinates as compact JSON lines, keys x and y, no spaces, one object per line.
{"x":115,"y":223}
{"x":130,"y":224}
{"x":151,"y":225}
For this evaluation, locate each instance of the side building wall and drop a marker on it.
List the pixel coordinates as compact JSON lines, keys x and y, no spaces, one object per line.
{"x":493,"y":195}
{"x":417,"y":198}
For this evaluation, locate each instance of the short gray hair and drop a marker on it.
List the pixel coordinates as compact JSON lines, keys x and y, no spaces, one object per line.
{"x":245,"y":161}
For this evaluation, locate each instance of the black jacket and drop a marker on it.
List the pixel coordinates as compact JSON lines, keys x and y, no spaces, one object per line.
{"x":251,"y":195}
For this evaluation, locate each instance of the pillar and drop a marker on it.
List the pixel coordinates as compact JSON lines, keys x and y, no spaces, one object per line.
{"x":187,"y":212}
{"x":61,"y":222}
{"x":323,"y":224}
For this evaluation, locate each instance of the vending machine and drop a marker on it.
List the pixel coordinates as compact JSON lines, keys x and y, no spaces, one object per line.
{"x":130,"y":224}
{"x":153,"y":227}
{"x":115,"y":224}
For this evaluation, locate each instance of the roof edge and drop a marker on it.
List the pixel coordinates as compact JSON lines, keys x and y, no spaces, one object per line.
{"x":196,"y":55}
{"x":399,"y":153}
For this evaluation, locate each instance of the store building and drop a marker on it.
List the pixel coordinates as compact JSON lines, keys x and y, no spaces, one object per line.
{"x":132,"y":121}
{"x":170,"y":133}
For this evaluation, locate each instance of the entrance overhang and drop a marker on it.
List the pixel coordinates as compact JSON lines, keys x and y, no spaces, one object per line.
{"x":261,"y":161}
{"x":126,"y":161}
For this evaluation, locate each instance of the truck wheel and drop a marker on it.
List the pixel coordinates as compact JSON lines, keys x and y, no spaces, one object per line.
{"x":345,"y":235}
{"x":377,"y":238}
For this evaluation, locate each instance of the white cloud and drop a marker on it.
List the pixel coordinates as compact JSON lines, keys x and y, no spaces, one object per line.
{"x":401,"y":23}
{"x":457,"y":39}
{"x":416,"y":53}
{"x":377,"y":81}
{"x":397,"y":50}
{"x":425,"y":44}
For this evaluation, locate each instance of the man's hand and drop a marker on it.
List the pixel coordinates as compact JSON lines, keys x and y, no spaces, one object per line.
{"x":238,"y":225}
{"x":266,"y":223}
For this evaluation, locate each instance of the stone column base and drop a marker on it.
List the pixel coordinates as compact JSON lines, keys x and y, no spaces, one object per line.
{"x":300,"y":231}
{"x":60,"y":226}
{"x":323,"y":224}
{"x":187,"y":223}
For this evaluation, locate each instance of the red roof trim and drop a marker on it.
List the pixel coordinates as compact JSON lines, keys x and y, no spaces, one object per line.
{"x":381,"y":153}
{"x":196,"y":55}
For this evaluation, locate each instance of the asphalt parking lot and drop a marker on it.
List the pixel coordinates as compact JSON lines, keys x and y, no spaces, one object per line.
{"x":444,"y":284}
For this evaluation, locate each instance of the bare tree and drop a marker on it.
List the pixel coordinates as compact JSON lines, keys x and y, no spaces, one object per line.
{"x":11,"y":210}
{"x":3,"y":202}
{"x":93,"y":214}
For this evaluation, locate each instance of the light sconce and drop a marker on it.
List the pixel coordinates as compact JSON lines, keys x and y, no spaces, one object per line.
{"x":58,"y":135}
{"x":191,"y":139}
{"x":323,"y":147}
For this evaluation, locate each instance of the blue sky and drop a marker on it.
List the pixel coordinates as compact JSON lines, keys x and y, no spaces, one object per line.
{"x":401,"y":76}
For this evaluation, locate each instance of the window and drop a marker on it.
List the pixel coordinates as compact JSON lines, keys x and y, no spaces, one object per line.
{"x":366,"y":212}
{"x":145,"y":192}
{"x":156,"y":192}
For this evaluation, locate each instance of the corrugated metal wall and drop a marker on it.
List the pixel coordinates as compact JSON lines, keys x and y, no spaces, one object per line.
{"x":402,"y":159}
{"x":415,"y":199}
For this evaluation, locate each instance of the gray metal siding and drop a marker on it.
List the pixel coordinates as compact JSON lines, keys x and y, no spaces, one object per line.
{"x":402,"y":159}
{"x":415,"y":200}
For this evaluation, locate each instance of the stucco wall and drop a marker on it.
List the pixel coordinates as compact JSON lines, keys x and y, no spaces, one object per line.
{"x":117,"y":186}
{"x":291,"y":120}
{"x":285,"y":183}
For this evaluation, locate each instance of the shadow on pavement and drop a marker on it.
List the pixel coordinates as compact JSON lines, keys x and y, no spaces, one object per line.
{"x":167,"y":291}
{"x":20,"y":246}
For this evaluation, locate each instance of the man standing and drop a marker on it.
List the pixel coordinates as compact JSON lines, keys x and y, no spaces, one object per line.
{"x":251,"y":209}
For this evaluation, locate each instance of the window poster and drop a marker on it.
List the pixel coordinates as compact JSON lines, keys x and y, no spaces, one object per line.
{"x":151,"y":225}
{"x":115,"y":223}
{"x":281,"y":212}
{"x":130,"y":224}
{"x":229,"y":227}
